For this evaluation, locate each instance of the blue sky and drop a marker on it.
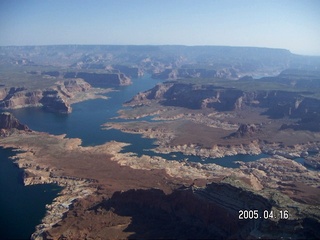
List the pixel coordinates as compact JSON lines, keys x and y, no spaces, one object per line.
{"x":289,"y":24}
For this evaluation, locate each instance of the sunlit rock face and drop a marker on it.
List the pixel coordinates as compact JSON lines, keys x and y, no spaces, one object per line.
{"x":18,"y":97}
{"x":53,"y":99}
{"x":101,"y":79}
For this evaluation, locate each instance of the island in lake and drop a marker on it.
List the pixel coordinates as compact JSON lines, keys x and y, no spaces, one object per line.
{"x":166,"y":141}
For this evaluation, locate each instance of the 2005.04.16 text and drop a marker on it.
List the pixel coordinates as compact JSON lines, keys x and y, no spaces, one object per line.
{"x":266,"y":214}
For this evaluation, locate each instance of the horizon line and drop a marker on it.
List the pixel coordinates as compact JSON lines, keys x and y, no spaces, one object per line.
{"x":173,"y":45}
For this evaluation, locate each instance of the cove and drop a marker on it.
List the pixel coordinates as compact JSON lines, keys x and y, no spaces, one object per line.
{"x":87,"y":117}
{"x":21,"y":207}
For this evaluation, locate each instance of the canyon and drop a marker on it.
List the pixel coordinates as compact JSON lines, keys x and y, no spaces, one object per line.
{"x":209,"y":103}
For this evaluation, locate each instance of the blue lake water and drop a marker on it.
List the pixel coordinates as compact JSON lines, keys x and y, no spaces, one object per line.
{"x":22,"y":207}
{"x":87,"y":117}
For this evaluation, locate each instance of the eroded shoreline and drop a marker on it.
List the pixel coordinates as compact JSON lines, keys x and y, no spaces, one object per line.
{"x":45,"y":157}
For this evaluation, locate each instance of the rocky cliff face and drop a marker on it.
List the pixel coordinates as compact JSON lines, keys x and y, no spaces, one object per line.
{"x":18,"y":97}
{"x":101,"y":79}
{"x":278,"y":104}
{"x":245,"y":130}
{"x":281,"y":104}
{"x":178,"y":73}
{"x":54,"y":99}
{"x":132,"y":72}
{"x":9,"y":123}
{"x":210,"y":212}
{"x":192,"y":96}
{"x":75,"y":85}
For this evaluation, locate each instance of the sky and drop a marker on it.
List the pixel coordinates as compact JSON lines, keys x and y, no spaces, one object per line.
{"x":288,"y":24}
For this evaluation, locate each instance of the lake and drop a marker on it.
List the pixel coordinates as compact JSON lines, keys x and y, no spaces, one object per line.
{"x":21,"y":208}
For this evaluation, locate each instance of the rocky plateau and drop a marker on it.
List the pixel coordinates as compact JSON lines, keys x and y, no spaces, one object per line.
{"x":57,"y":98}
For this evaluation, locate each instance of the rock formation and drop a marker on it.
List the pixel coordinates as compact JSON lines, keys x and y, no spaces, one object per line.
{"x":101,"y":79}
{"x":209,"y":212}
{"x":75,"y":85}
{"x":54,"y":99}
{"x":179,"y":73}
{"x":172,"y":74}
{"x":186,"y":213}
{"x":8,"y":123}
{"x":245,"y":130}
{"x":19,"y":97}
{"x":132,"y":72}
{"x":278,"y":104}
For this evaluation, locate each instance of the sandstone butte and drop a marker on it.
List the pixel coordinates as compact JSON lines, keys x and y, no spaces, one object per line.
{"x":57,"y":98}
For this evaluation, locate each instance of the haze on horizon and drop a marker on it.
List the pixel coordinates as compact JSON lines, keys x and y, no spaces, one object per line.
{"x":288,"y":24}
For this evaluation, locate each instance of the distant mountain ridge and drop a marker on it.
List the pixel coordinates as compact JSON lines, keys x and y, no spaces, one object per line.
{"x":157,"y":59}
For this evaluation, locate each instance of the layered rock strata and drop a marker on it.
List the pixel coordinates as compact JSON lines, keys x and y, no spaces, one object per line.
{"x":133,"y":72}
{"x":101,"y":79}
{"x":278,"y":103}
{"x":58,"y":98}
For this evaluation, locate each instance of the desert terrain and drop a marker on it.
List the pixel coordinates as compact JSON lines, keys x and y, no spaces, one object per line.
{"x":211,"y":111}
